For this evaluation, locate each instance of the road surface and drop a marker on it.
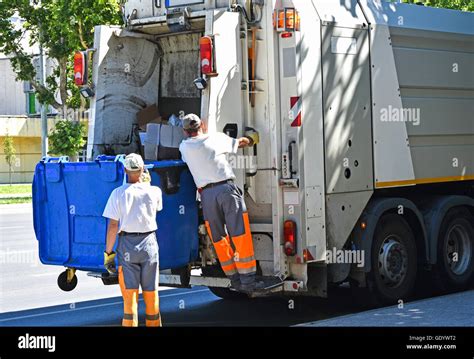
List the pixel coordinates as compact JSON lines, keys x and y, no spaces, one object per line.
{"x":29,"y":296}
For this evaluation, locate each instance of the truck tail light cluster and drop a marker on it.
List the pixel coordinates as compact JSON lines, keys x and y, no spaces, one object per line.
{"x":80,"y":68}
{"x":289,"y":230}
{"x":206,"y":50}
{"x":286,"y":20}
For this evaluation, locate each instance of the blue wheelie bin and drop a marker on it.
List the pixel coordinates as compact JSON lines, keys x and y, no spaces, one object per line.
{"x":69,"y":199}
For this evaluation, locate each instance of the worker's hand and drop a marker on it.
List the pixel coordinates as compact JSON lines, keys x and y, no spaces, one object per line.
{"x":145,"y":177}
{"x":253,"y":136}
{"x":109,"y":262}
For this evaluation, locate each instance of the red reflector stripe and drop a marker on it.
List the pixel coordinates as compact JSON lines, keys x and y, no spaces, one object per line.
{"x":307,"y":255}
{"x":294,"y":100}
{"x":295,"y":104}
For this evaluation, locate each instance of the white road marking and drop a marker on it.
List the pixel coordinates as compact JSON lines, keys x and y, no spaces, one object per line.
{"x":93,"y":306}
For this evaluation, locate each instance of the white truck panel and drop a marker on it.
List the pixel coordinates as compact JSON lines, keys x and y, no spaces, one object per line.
{"x":225,"y":105}
{"x":309,"y":50}
{"x":392,"y":157}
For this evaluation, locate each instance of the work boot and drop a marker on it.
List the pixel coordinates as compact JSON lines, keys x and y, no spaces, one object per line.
{"x":252,"y":287}
{"x":235,"y":282}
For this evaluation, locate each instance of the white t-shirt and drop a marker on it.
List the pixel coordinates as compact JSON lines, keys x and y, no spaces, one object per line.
{"x":206,"y":157}
{"x":134,"y":206}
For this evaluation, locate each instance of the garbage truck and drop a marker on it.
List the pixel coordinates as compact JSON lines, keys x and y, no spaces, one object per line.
{"x":364,"y":173}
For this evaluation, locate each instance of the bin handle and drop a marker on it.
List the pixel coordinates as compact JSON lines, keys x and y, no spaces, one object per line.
{"x":109,"y":158}
{"x":47,"y":159}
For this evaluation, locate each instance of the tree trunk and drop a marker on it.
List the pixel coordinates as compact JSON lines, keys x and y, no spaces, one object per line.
{"x":63,"y":83}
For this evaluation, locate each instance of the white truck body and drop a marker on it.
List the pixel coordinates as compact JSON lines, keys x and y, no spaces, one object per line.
{"x":384,"y":93}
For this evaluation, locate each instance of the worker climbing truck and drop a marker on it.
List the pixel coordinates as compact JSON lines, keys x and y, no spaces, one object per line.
{"x":364,"y":173}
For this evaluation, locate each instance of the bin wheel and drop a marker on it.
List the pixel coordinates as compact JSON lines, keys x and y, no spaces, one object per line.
{"x":66,"y":285}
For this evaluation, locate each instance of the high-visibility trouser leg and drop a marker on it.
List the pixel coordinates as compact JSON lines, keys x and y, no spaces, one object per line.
{"x":224,"y":252}
{"x":152,"y":311}
{"x":130,"y":302}
{"x":244,"y":253}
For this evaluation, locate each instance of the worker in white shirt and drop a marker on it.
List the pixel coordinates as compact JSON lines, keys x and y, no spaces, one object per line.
{"x":224,"y":209}
{"x":131,"y":210}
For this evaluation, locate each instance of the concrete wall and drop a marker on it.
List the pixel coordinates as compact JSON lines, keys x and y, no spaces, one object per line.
{"x":26,"y":133}
{"x":28,"y":153}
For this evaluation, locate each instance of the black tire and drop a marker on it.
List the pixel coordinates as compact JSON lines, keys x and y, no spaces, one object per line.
{"x":63,"y":283}
{"x":227,"y":294}
{"x":394,"y":260}
{"x":456,"y":236}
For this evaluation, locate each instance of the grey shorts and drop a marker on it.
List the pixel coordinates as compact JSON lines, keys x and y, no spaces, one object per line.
{"x":139,"y":259}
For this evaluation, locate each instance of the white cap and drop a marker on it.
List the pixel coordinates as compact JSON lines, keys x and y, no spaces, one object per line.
{"x":134,"y":162}
{"x":191,"y":122}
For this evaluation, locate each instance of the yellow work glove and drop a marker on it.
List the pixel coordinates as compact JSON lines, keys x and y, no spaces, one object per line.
{"x":253,"y":136}
{"x":145,"y":177}
{"x":109,"y":262}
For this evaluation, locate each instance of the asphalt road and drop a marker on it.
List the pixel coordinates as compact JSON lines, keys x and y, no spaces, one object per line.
{"x":29,"y":296}
{"x":25,"y":282}
{"x":183,"y":307}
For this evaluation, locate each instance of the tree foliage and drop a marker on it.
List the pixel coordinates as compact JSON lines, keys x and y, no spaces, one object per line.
{"x":464,"y":5}
{"x":10,"y":153}
{"x":67,"y":138}
{"x":62,"y":27}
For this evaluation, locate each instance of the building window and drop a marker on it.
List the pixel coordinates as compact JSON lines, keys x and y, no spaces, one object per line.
{"x":31,"y":102}
{"x":31,"y":105}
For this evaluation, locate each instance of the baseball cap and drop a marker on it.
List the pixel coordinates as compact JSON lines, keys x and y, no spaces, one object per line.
{"x":134,"y":162}
{"x":191,"y":122}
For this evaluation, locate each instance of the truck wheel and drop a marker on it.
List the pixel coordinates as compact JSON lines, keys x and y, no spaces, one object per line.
{"x":226,"y":293}
{"x":455,"y":263}
{"x":64,"y":284}
{"x":394,"y":260}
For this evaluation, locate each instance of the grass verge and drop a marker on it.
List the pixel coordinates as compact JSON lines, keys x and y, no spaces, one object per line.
{"x":15,"y":189}
{"x":15,"y":200}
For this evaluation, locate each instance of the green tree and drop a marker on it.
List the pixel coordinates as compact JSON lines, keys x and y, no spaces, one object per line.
{"x":10,"y":154}
{"x":67,"y":138}
{"x":62,"y":27}
{"x":465,"y":5}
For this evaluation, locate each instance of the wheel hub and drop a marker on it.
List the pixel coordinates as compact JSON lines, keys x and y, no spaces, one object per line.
{"x":393,"y":261}
{"x":458,"y":249}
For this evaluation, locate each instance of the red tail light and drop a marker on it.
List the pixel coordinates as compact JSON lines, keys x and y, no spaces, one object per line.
{"x":289,"y":230}
{"x":80,"y":68}
{"x":206,"y":50}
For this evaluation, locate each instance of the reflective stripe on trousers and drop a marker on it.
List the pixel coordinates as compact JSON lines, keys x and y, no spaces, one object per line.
{"x":227,"y":223}
{"x":138,"y":266}
{"x":242,"y":260}
{"x":130,"y":305}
